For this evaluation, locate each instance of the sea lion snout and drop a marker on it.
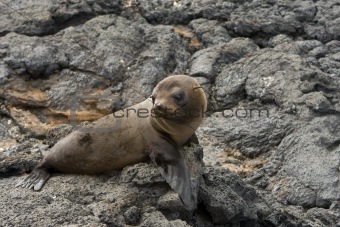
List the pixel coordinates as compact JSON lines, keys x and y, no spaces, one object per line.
{"x":158,"y":106}
{"x":168,"y":101}
{"x":161,"y":110}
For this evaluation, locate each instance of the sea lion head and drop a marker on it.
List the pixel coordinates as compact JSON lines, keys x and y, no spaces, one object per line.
{"x":179,"y":98}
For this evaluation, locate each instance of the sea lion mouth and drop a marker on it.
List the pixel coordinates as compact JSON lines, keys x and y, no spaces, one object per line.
{"x":161,"y":113}
{"x":171,"y":114}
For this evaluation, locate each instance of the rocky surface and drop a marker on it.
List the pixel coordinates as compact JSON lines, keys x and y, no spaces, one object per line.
{"x":271,"y":136}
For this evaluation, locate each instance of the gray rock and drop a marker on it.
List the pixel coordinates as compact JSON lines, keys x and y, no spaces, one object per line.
{"x":32,"y":55}
{"x":273,"y":85}
{"x":281,"y":78}
{"x":45,"y":17}
{"x":325,"y":27}
{"x":251,"y":130}
{"x":4,"y":132}
{"x":318,"y":102}
{"x":210,"y":32}
{"x":230,"y":86}
{"x":329,"y":59}
{"x":290,"y":190}
{"x":142,"y":174}
{"x":157,"y":219}
{"x":224,"y":204}
{"x":314,"y":20}
{"x":333,"y":46}
{"x":132,"y":215}
{"x":207,"y":62}
{"x":4,"y":73}
{"x":102,"y":212}
{"x":323,"y":217}
{"x":181,"y":12}
{"x":317,"y":145}
{"x":279,"y":39}
{"x":20,"y":157}
{"x":300,"y":47}
{"x":263,"y":17}
{"x":172,"y":206}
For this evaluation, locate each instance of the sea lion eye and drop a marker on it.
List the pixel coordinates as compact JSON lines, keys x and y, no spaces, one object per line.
{"x":153,"y":99}
{"x":178,"y":96}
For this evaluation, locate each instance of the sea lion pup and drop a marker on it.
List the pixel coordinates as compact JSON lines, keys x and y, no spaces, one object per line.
{"x":154,"y":128}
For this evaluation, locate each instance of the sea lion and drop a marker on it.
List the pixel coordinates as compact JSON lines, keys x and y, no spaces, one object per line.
{"x":154,"y":128}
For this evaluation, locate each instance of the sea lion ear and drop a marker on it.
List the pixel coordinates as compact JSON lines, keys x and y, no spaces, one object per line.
{"x":175,"y":171}
{"x":198,"y":89}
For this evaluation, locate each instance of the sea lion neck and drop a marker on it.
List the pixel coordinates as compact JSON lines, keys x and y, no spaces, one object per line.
{"x":178,"y":132}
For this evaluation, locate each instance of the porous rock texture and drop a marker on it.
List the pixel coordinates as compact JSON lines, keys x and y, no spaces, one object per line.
{"x":270,"y":139}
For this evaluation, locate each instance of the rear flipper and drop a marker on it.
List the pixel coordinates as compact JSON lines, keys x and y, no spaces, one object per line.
{"x":35,"y":180}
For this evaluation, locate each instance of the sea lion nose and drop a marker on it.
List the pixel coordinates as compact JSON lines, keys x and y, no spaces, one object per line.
{"x":158,"y":106}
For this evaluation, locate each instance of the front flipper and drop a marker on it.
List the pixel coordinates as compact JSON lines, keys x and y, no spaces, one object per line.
{"x":173,"y":168}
